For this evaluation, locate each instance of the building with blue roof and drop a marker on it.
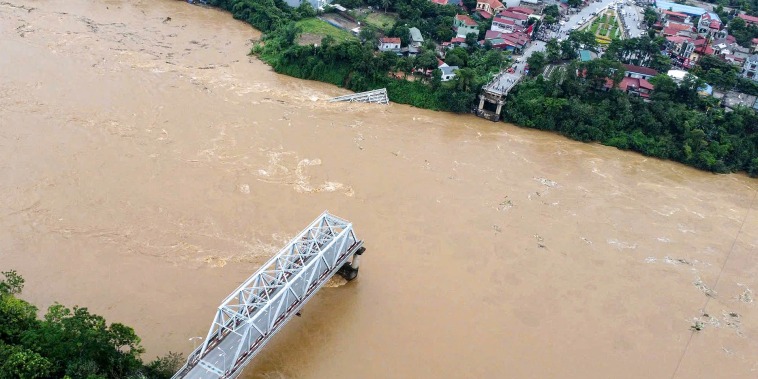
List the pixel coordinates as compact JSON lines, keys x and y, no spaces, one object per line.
{"x":686,"y":9}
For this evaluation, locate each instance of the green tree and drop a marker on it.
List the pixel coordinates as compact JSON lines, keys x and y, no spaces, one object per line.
{"x":19,"y":363}
{"x":553,"y":51}
{"x":386,"y":4}
{"x":426,"y":60}
{"x":650,"y":16}
{"x":537,"y":62}
{"x":12,"y":283}
{"x":551,"y":10}
{"x":464,"y":79}
{"x":471,"y":40}
{"x":368,"y":36}
{"x":664,"y":88}
{"x":16,"y":317}
{"x":79,"y":344}
{"x":568,"y":49}
{"x":574,"y":3}
{"x":457,"y":57}
{"x":166,"y":366}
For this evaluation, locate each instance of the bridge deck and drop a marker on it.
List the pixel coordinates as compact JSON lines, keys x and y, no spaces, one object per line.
{"x":250,"y":316}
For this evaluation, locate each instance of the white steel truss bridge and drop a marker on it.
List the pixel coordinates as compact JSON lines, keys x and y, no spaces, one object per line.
{"x":250,"y":316}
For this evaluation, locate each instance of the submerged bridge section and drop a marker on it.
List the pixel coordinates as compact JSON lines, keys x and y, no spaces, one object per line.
{"x":378,"y":96}
{"x":250,"y":316}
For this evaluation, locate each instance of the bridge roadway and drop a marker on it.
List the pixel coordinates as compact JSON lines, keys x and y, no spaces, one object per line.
{"x":252,"y":314}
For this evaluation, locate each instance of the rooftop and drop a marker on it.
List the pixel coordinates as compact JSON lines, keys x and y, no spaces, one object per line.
{"x":513,"y":15}
{"x":524,"y":10}
{"x":670,"y":13}
{"x":586,"y":55}
{"x":484,"y":14}
{"x":748,"y":18}
{"x":641,"y":70}
{"x":628,"y":83}
{"x":494,"y":4}
{"x":686,"y":9}
{"x":678,"y":39}
{"x":390,"y":40}
{"x":416,"y":35}
{"x":447,"y":70}
{"x":468,"y":21}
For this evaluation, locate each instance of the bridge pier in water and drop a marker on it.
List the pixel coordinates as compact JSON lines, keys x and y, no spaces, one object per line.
{"x":349,"y":270}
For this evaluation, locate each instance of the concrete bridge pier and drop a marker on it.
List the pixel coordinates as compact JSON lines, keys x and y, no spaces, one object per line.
{"x":349,"y":270}
{"x":489,"y":100}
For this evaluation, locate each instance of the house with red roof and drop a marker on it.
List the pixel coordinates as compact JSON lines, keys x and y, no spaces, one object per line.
{"x":710,"y":26}
{"x":676,"y":17}
{"x":636,"y":86}
{"x":455,"y":42}
{"x":505,"y":25}
{"x":516,"y":17}
{"x":515,"y":41}
{"x":390,"y":44}
{"x":748,"y":19}
{"x":680,"y":48}
{"x":702,"y":47}
{"x":487,"y":8}
{"x":678,"y":29}
{"x":639,"y":72}
{"x":464,"y":25}
{"x":523,"y":10}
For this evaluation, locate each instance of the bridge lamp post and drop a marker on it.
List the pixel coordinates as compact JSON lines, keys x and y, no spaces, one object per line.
{"x":194,"y":340}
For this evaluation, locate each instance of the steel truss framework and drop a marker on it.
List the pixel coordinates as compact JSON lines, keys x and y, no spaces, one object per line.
{"x":248,"y":318}
{"x":375,"y":96}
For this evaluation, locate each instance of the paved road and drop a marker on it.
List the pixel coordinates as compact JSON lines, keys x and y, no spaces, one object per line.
{"x":632,"y":15}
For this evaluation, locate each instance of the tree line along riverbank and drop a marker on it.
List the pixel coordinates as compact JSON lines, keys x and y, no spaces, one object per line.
{"x":69,"y":343}
{"x":676,"y":123}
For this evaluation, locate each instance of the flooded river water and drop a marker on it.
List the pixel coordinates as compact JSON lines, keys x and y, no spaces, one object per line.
{"x":148,"y":166}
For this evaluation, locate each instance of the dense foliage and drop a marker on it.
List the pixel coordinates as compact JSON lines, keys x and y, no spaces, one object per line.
{"x":356,"y":65}
{"x":68,"y":343}
{"x":743,"y":32}
{"x":676,"y":124}
{"x":724,"y":76}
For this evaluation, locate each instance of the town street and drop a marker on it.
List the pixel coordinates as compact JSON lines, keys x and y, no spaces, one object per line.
{"x":504,"y":81}
{"x":632,"y":15}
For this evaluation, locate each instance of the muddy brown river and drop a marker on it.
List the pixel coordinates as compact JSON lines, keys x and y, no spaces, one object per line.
{"x":148,"y":166}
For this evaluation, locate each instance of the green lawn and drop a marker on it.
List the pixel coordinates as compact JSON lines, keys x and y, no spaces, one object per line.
{"x":323,"y":28}
{"x":381,"y":20}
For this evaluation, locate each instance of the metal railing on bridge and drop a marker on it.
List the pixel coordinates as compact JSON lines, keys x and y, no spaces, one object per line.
{"x":248,"y":318}
{"x":376,"y":96}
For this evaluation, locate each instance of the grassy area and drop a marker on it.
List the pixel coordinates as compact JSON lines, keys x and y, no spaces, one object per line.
{"x":605,"y":27}
{"x":323,"y":28}
{"x":381,"y":20}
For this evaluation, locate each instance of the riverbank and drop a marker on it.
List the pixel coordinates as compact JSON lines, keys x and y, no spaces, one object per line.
{"x":674,"y":126}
